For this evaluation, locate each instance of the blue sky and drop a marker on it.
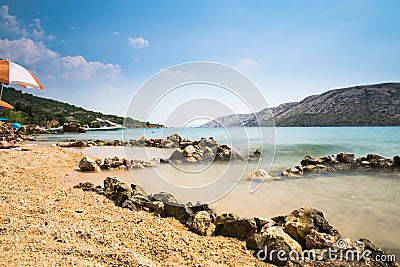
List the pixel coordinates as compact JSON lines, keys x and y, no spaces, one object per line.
{"x":95,"y":54}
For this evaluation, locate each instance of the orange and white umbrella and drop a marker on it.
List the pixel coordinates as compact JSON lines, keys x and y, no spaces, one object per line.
{"x":5,"y":105}
{"x":12,"y":73}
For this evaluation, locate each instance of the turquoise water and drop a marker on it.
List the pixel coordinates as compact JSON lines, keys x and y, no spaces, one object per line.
{"x":358,"y":205}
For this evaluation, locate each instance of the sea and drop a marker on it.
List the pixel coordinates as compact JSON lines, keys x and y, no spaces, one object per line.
{"x":358,"y":205}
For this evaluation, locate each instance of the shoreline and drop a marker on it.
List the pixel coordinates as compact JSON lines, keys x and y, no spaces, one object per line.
{"x":47,"y":206}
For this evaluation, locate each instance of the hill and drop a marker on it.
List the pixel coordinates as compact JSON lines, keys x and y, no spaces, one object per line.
{"x":366,"y":105}
{"x":30,"y":109}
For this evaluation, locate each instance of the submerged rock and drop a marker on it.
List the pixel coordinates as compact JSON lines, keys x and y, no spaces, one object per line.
{"x":344,"y":162}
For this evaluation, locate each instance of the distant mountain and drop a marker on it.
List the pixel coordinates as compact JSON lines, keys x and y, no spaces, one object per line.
{"x":30,"y":109}
{"x":366,"y":105}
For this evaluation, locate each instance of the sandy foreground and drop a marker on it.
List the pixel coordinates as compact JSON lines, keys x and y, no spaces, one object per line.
{"x":45,"y":223}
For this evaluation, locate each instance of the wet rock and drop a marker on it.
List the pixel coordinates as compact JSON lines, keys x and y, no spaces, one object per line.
{"x":346,"y":158}
{"x":300,"y":223}
{"x":122,"y":193}
{"x":240,"y":228}
{"x":88,"y":164}
{"x":258,"y":174}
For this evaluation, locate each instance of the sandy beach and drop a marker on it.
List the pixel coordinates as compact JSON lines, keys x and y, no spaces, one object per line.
{"x":45,"y":223}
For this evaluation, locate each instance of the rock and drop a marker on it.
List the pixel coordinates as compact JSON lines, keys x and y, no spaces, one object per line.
{"x":109,"y":186}
{"x":263,"y":223}
{"x":180,"y":212}
{"x":300,"y":222}
{"x":345,"y":158}
{"x":226,"y":217}
{"x":138,"y":191}
{"x":396,"y":162}
{"x":155,"y":206}
{"x":88,"y":164}
{"x":316,"y":240}
{"x":86,"y":186}
{"x":258,"y":174}
{"x":164,"y":197}
{"x":240,"y":228}
{"x":200,"y":222}
{"x":273,"y":238}
{"x":128,"y":204}
{"x":122,"y":192}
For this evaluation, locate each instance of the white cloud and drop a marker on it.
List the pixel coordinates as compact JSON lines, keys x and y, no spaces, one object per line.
{"x":10,"y":22}
{"x":35,"y":55}
{"x":245,"y":64}
{"x":138,"y":42}
{"x":72,"y":28}
{"x":38,"y":32}
{"x":115,"y":33}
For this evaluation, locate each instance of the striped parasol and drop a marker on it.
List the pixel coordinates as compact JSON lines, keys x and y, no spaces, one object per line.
{"x":12,"y":73}
{"x":5,"y":105}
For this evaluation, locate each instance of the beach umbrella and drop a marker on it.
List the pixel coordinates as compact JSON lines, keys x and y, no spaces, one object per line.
{"x":5,"y":105}
{"x":3,"y":119}
{"x":16,"y":125}
{"x":12,"y":73}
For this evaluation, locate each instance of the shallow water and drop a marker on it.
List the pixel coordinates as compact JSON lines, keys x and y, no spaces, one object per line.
{"x":358,"y":205}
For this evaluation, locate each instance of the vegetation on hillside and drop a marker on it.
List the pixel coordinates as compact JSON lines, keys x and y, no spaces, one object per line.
{"x":30,"y":109}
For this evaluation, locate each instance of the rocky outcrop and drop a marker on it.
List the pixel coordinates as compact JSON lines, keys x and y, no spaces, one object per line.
{"x":204,"y":150}
{"x":344,"y":162}
{"x":88,"y":164}
{"x":303,"y":229}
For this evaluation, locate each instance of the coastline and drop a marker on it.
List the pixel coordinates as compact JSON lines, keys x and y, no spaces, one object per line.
{"x":45,"y":222}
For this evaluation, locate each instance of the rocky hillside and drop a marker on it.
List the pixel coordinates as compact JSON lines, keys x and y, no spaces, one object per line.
{"x":366,"y":105}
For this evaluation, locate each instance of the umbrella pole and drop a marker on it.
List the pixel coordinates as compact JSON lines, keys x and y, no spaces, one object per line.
{"x":1,"y":93}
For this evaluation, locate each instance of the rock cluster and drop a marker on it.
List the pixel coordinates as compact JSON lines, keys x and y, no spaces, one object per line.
{"x":344,"y":162}
{"x":96,"y":165}
{"x":204,"y":150}
{"x":9,"y":133}
{"x":303,"y":229}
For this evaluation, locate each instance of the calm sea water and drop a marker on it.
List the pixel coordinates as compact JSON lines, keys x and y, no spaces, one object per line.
{"x":358,"y":205}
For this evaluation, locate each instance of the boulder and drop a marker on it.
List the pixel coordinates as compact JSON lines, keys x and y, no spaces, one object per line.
{"x":200,"y":222}
{"x":164,"y":197}
{"x":109,"y":186}
{"x":88,"y":164}
{"x":300,"y":222}
{"x":239,"y":228}
{"x":179,"y":211}
{"x":316,"y":240}
{"x":273,"y":238}
{"x":155,"y":206}
{"x":263,"y":223}
{"x":226,"y":217}
{"x":345,"y":158}
{"x":122,"y":192}
{"x":129,"y":204}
